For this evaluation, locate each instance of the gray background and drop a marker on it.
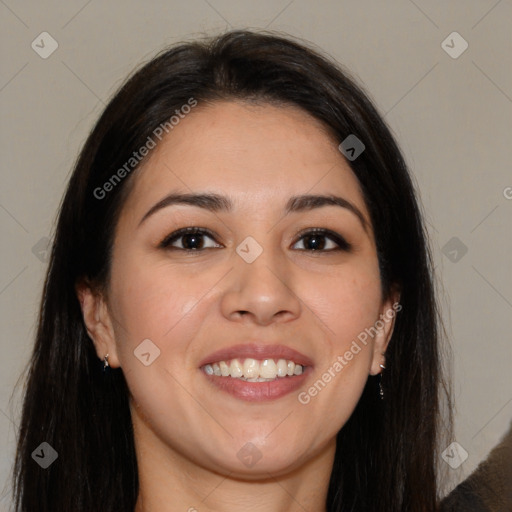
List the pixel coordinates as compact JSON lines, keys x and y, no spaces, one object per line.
{"x":452,"y":118}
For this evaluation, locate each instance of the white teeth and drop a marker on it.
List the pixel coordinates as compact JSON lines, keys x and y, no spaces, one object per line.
{"x":235,"y":369}
{"x":282,"y":368}
{"x":252,"y":370}
{"x":268,"y":369}
{"x":224,"y":369}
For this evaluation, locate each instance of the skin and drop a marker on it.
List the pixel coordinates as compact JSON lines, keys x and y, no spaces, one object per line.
{"x":187,"y":432}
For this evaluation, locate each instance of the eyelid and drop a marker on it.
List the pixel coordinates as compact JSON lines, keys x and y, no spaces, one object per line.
{"x":336,"y":237}
{"x":332,"y":235}
{"x":176,"y":235}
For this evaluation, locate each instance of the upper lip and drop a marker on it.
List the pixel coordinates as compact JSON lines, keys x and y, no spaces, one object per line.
{"x":257,"y":351}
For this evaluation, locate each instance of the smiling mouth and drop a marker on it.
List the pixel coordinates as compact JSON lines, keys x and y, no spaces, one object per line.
{"x":254,"y":370}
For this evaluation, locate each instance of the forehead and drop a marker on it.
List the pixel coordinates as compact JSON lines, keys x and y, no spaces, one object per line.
{"x":259,"y":155}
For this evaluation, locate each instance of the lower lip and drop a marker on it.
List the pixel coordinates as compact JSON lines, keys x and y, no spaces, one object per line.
{"x":259,"y":391}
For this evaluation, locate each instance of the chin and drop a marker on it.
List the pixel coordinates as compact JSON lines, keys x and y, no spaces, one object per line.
{"x":251,"y":462}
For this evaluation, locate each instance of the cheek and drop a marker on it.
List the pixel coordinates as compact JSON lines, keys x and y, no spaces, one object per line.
{"x":154,"y":303}
{"x":347,"y":301}
{"x":347,"y":304}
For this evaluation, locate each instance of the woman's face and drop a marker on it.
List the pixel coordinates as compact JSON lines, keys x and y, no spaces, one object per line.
{"x":253,"y":289}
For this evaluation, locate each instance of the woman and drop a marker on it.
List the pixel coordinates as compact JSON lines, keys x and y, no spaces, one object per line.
{"x":239,"y":309}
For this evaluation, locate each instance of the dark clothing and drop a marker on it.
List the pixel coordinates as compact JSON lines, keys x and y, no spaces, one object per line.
{"x":489,"y":487}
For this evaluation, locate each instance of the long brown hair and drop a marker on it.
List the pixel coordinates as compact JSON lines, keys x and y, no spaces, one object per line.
{"x":386,"y":453}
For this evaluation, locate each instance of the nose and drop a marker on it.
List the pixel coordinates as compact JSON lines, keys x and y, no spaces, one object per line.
{"x":261,"y":292}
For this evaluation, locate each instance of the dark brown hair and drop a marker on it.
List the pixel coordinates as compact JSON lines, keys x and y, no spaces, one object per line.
{"x":386,"y":453}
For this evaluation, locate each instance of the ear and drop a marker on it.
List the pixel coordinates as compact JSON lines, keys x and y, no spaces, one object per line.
{"x":384,"y":326}
{"x":98,"y":321}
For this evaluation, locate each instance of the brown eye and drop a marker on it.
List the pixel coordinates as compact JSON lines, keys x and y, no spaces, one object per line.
{"x":190,"y":239}
{"x":194,"y":239}
{"x":323,"y":240}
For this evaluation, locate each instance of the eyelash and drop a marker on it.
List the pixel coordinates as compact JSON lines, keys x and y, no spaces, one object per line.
{"x":343,"y":245}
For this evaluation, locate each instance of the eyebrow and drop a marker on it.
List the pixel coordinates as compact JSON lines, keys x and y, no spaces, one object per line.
{"x":218,"y":203}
